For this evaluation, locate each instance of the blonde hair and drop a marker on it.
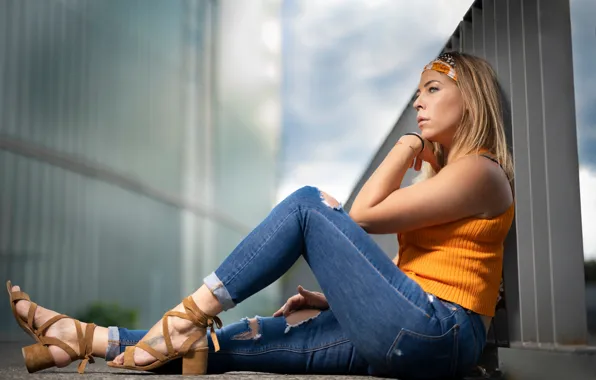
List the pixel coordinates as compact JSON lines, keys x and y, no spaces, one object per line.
{"x":482,"y":124}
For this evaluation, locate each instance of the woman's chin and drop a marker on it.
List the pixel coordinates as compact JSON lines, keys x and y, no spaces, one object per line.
{"x":426,"y":134}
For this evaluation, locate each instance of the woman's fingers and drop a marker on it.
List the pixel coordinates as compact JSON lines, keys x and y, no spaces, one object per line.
{"x":291,"y":304}
{"x":418,"y":164}
{"x":280,"y":312}
{"x":310,"y":298}
{"x":435,"y":164}
{"x":304,"y":298}
{"x":313,"y":299}
{"x":290,"y":308}
{"x":294,"y":303}
{"x":304,"y":292}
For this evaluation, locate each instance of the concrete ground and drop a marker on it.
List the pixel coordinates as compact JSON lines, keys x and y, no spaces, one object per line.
{"x":13,"y":367}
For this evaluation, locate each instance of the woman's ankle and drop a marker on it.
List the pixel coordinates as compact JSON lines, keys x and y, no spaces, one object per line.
{"x":207,"y":302}
{"x":100,"y":342}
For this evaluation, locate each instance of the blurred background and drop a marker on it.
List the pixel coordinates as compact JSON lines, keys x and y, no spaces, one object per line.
{"x":141,"y":140}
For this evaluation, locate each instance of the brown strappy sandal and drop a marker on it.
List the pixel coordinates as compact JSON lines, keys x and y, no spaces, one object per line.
{"x":38,"y":356}
{"x":194,"y":362}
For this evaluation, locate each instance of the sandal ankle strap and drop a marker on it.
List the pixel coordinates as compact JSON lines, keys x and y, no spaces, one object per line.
{"x":199,"y":318}
{"x":85,"y":345}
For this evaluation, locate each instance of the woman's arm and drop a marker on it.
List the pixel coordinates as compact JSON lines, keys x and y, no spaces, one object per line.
{"x":388,"y":176}
{"x":470,"y":186}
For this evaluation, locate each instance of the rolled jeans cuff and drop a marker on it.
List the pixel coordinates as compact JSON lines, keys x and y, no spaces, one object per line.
{"x":113,"y":349}
{"x":219,"y":291}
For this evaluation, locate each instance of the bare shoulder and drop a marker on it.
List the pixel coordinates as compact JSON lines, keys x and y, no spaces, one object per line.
{"x":487,"y":183}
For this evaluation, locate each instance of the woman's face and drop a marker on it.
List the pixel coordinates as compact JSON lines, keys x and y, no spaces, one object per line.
{"x":440,"y":107}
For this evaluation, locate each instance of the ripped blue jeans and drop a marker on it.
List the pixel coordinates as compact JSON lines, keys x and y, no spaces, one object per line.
{"x":380,"y":321}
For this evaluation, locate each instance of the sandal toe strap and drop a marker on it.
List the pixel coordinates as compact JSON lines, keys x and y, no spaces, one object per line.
{"x":150,"y":350}
{"x":18,"y":296}
{"x":129,"y":356}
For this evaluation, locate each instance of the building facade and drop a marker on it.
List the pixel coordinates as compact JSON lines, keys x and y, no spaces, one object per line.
{"x":136,"y":149}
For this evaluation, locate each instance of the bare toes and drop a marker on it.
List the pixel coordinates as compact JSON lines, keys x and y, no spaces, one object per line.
{"x":22,"y":306}
{"x":119,"y":359}
{"x":142,"y":357}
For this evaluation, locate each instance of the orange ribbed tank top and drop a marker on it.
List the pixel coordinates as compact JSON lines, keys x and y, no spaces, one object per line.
{"x":460,"y":261}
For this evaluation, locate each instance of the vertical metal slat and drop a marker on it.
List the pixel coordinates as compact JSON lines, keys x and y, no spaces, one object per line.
{"x":478,"y":28}
{"x":523,"y":185}
{"x":538,"y":189}
{"x":562,"y":180}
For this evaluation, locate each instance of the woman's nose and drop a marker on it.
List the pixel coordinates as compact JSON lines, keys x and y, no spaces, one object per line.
{"x":417,"y":104}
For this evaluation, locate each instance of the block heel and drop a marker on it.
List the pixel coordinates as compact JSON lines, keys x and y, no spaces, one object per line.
{"x":37,"y":357}
{"x":195,"y":362}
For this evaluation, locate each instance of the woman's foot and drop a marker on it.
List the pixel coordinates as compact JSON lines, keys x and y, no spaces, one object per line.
{"x":179,"y":330}
{"x":63,"y":329}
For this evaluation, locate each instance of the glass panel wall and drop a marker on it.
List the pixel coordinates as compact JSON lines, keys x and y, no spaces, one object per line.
{"x":129,"y":167}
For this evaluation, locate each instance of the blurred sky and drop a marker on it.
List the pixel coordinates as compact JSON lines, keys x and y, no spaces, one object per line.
{"x":350,"y":67}
{"x":583,"y":32}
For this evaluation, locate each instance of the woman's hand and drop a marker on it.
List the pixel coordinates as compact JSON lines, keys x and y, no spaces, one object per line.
{"x":305,"y":299}
{"x":427,"y":154}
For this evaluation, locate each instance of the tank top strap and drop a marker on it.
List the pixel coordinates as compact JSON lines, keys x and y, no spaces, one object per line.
{"x":490,"y":156}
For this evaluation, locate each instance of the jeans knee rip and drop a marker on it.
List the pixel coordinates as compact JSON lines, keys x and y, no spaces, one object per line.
{"x":290,"y":326}
{"x":252,"y":333}
{"x":329,"y":201}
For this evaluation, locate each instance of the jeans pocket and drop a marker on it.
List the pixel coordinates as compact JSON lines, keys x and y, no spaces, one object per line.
{"x":424,"y":357}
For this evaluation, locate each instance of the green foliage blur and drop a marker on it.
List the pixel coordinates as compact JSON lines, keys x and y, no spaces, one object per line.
{"x":109,"y":314}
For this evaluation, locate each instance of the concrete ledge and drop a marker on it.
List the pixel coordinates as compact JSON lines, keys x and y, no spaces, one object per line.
{"x":529,"y":364}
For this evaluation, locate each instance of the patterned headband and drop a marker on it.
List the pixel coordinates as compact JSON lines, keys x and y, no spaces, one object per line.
{"x":445,"y":63}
